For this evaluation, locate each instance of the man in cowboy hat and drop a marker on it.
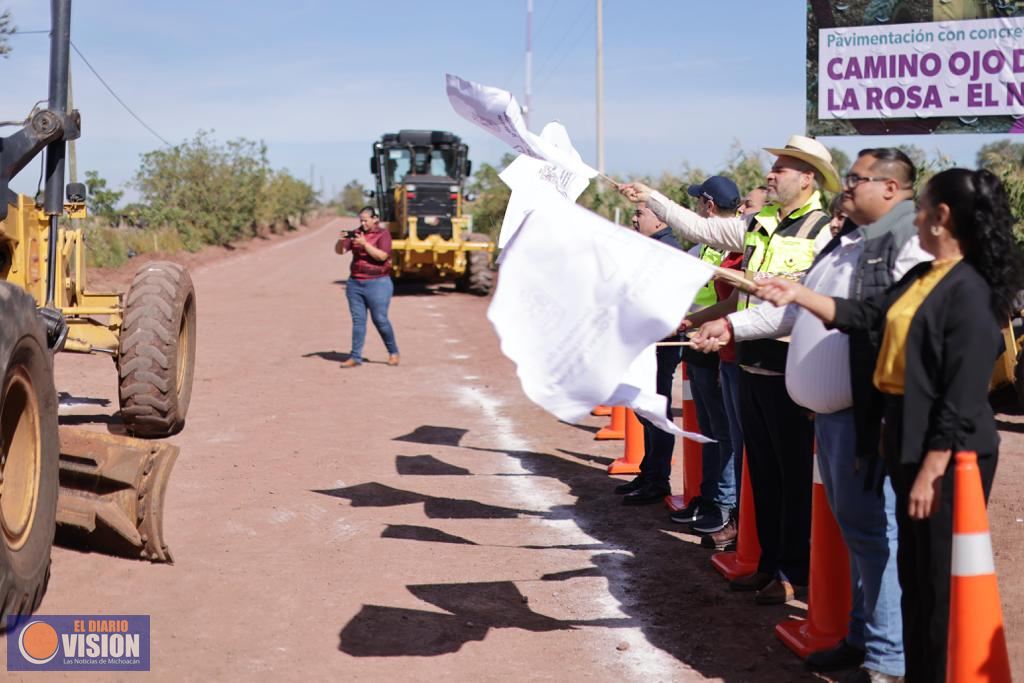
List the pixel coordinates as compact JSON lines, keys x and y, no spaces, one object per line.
{"x":781,"y":239}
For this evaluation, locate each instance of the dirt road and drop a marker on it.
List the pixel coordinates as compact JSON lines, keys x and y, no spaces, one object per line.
{"x":424,"y":522}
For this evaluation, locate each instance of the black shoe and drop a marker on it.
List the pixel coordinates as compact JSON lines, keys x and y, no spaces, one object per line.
{"x":630,"y":486}
{"x":646,"y":494}
{"x":711,"y":519}
{"x":689,"y":514}
{"x":842,"y":656}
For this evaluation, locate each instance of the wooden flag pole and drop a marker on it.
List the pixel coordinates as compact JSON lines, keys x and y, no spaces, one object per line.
{"x":734,"y":278}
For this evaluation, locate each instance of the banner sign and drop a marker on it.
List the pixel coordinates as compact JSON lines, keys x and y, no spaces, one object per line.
{"x":952,"y":73}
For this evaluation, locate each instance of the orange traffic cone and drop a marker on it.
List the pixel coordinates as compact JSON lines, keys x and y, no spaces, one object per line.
{"x":692,"y":453}
{"x":616,"y":429}
{"x":743,"y":561}
{"x":977,"y":641}
{"x":828,"y":596}
{"x":601,"y":411}
{"x":633,"y":447}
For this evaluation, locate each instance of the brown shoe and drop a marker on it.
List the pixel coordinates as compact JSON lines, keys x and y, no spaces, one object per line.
{"x":778,"y":592}
{"x":393,"y":359}
{"x":723,"y":539}
{"x":751,"y":582}
{"x":350,"y":363}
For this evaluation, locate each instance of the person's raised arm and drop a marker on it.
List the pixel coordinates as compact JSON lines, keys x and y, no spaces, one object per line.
{"x":726,"y":234}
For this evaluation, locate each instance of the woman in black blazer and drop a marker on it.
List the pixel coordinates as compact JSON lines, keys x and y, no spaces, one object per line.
{"x":941,"y":338}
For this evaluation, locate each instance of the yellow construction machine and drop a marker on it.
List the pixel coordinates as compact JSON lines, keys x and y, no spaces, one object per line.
{"x":420,"y":177}
{"x":106,"y":490}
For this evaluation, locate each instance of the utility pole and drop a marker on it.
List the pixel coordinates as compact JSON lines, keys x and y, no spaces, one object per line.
{"x":529,"y":61}
{"x":600,"y":91}
{"x":72,"y":152}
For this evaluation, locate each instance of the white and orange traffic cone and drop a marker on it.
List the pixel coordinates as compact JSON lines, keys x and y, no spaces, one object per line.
{"x":616,"y":429}
{"x":692,"y":454}
{"x":828,"y":593}
{"x":977,"y":641}
{"x":743,"y":561}
{"x":632,"y":448}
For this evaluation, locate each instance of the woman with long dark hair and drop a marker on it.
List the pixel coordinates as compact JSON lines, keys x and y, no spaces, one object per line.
{"x":369,"y":287}
{"x":941,"y":338}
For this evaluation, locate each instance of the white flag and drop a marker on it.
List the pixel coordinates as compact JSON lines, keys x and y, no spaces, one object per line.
{"x":578,"y":303}
{"x":529,"y":177}
{"x":497,"y":112}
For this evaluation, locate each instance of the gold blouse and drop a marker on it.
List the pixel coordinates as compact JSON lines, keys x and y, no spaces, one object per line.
{"x":892,"y":357}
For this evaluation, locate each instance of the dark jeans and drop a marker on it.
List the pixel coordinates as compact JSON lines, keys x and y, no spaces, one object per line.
{"x":780,"y":448}
{"x":924,"y":557}
{"x":374,"y":295}
{"x":729,"y":374}
{"x":658,"y":445}
{"x":718,"y":462}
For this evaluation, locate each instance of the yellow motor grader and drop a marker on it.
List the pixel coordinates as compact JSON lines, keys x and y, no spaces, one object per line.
{"x":107,"y":490}
{"x":420,"y":176}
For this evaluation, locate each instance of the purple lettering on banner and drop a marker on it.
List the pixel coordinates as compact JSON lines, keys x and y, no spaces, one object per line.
{"x":1018,"y":60}
{"x":959,"y":63}
{"x":931,"y":97}
{"x":974,"y":95}
{"x":1014,"y":94}
{"x":874,"y":98}
{"x":895,"y":97}
{"x":850,"y":100}
{"x":832,"y":104}
{"x":931,"y":64}
{"x":990,"y":66}
{"x":835,"y":74}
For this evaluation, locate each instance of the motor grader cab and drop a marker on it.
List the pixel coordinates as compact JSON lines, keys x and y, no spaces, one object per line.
{"x":103,"y":489}
{"x":420,"y":177}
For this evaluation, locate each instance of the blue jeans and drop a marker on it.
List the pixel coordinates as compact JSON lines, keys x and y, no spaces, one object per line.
{"x":718,"y":477}
{"x":868,"y":524}
{"x":374,"y":295}
{"x":729,"y":374}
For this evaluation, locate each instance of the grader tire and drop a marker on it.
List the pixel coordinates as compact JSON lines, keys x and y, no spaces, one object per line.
{"x":480,"y":275}
{"x":157,"y":350}
{"x":29,"y":455}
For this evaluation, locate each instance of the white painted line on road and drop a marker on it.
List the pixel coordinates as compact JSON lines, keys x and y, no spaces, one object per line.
{"x":459,"y":356}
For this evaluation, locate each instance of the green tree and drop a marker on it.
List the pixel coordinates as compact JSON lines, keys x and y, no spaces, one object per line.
{"x":840,"y":160}
{"x":6,"y":28}
{"x":351,"y":199}
{"x":746,"y":168}
{"x":210,"y":193}
{"x":101,"y":200}
{"x":926,"y":166}
{"x":1006,"y":159}
{"x":491,"y":197}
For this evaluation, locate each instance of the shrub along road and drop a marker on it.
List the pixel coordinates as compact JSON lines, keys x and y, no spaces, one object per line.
{"x":424,"y":522}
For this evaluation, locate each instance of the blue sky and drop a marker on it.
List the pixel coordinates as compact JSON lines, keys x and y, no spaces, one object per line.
{"x":319,"y":81}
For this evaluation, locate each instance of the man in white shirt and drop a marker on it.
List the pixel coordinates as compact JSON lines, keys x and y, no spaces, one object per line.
{"x":830,"y":373}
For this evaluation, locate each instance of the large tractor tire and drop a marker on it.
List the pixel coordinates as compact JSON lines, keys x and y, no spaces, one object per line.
{"x":157,"y":350}
{"x":480,"y":274}
{"x":29,"y":455}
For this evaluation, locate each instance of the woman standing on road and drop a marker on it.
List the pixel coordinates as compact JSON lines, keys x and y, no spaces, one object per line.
{"x":941,"y":338}
{"x":369,"y":284}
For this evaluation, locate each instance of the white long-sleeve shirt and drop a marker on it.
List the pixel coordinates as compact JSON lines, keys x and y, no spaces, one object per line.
{"x":818,"y":362}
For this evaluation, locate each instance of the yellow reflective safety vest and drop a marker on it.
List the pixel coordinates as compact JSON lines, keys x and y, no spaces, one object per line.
{"x":768,"y":252}
{"x":706,"y":295}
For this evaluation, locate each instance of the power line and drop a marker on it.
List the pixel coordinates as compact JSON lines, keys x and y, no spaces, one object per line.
{"x":105,"y":85}
{"x":119,"y":100}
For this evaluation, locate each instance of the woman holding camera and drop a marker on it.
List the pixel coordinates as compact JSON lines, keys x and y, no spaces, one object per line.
{"x":369,"y":284}
{"x":940,"y":332}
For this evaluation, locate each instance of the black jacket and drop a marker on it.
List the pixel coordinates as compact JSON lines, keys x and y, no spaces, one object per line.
{"x":952,"y":345}
{"x":883,"y":241}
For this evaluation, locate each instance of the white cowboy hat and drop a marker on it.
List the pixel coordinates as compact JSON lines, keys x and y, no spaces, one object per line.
{"x":814,"y":153}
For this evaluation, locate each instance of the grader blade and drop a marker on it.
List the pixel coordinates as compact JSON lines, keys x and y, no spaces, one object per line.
{"x":112,"y":493}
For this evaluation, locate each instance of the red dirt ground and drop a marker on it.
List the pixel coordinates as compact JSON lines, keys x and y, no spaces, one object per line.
{"x":425,"y":522}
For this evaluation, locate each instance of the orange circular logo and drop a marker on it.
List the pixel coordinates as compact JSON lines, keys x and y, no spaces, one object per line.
{"x":38,"y":642}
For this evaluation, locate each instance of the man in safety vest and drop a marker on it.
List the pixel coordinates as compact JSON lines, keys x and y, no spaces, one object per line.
{"x":781,"y":239}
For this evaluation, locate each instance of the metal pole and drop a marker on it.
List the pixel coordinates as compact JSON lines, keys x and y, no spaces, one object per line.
{"x":53,"y":199}
{"x":600,"y":90}
{"x":529,"y":61}
{"x":72,"y":152}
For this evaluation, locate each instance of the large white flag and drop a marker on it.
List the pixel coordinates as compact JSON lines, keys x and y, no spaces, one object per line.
{"x":496,"y":111}
{"x":579,"y":305}
{"x":529,"y":177}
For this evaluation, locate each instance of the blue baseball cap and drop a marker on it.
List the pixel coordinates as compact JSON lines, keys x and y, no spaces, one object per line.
{"x":719,"y":189}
